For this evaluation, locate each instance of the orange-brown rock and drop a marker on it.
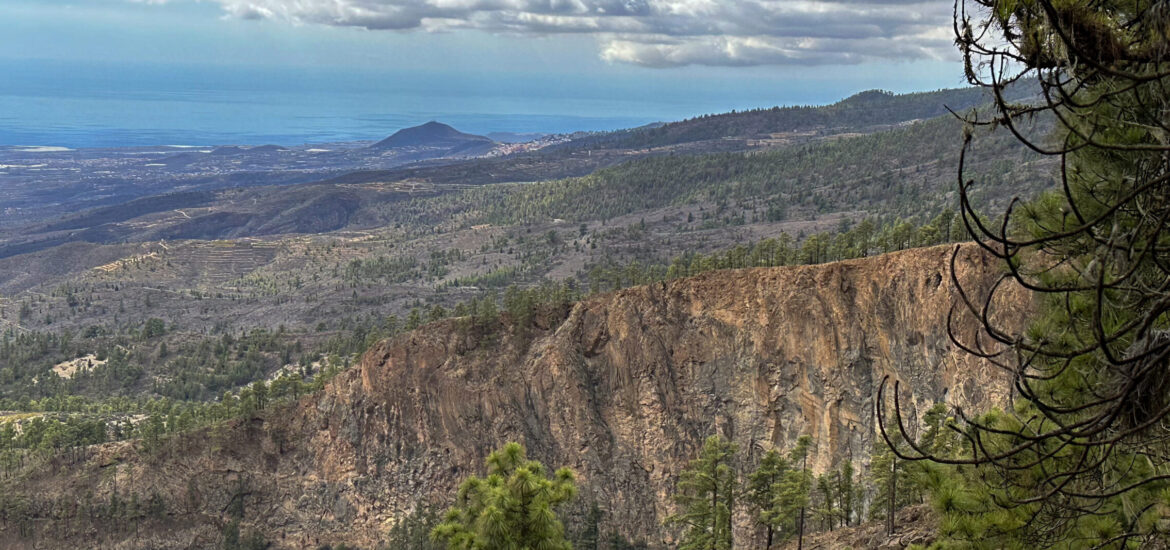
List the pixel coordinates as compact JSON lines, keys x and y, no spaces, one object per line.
{"x":622,"y":388}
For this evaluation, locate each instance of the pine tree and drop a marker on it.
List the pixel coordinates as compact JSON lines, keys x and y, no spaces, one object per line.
{"x":827,"y":509}
{"x":514,"y":507}
{"x":706,"y":497}
{"x":1079,"y":458}
{"x":260,"y":394}
{"x":412,"y":532}
{"x":414,"y":319}
{"x":937,"y":438}
{"x":846,"y":490}
{"x":793,"y":498}
{"x":763,"y":489}
{"x":891,"y":480}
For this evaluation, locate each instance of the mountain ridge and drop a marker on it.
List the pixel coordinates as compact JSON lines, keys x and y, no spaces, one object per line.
{"x":621,"y":387}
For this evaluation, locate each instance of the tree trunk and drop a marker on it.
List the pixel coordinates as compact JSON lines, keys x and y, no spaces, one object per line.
{"x":803,"y":472}
{"x":892,"y":498}
{"x":715,"y":509}
{"x":800,"y":540}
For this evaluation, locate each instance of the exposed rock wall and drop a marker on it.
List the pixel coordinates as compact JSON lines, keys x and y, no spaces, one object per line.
{"x":622,"y":388}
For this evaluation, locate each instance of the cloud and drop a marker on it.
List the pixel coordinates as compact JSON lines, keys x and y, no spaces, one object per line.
{"x":662,"y":33}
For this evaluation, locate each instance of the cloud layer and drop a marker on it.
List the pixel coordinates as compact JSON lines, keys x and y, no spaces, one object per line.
{"x":662,"y":33}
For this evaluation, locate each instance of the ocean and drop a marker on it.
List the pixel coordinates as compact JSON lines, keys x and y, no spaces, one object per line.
{"x":69,"y":104}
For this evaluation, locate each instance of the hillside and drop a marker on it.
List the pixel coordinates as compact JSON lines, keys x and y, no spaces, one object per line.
{"x":621,"y":387}
{"x":753,"y":130}
{"x":436,"y":135}
{"x":320,"y":268}
{"x":907,"y":171}
{"x":864,"y":112}
{"x":879,"y":169}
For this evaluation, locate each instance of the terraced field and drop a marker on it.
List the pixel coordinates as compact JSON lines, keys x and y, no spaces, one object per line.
{"x":221,"y":261}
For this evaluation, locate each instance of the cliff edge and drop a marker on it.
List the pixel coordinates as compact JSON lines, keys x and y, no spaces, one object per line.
{"x":621,"y":387}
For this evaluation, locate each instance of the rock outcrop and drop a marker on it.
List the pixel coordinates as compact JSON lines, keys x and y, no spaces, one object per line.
{"x":622,"y":388}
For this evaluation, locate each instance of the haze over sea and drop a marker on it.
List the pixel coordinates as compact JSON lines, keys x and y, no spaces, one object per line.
{"x":72,"y":104}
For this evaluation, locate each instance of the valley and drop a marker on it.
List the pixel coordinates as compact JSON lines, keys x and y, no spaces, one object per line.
{"x":737,"y":272}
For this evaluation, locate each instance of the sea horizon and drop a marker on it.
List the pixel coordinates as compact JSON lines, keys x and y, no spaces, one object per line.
{"x":51,"y":103}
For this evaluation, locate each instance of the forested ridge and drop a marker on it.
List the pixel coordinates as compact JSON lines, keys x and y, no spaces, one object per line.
{"x":858,"y":112}
{"x":906,"y":172}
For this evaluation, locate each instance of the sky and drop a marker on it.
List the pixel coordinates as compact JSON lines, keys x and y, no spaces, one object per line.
{"x":658,"y":58}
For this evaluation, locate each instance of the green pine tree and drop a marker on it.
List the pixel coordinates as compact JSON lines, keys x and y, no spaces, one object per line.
{"x":891,"y":480}
{"x":793,"y":497}
{"x":937,"y":437}
{"x":827,"y":507}
{"x":763,"y":487}
{"x":846,"y":490}
{"x":1079,"y":458}
{"x":514,"y":507}
{"x":706,"y":497}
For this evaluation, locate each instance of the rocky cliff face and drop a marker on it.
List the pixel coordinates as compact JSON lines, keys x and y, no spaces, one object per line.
{"x":622,"y":388}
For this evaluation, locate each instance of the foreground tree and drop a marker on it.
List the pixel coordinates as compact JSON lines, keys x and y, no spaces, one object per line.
{"x":513,"y":508}
{"x":792,"y":499}
{"x":762,"y":491}
{"x":706,"y":497}
{"x":1081,"y":458}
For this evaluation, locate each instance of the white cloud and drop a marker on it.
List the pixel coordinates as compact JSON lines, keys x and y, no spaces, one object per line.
{"x":662,"y":33}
